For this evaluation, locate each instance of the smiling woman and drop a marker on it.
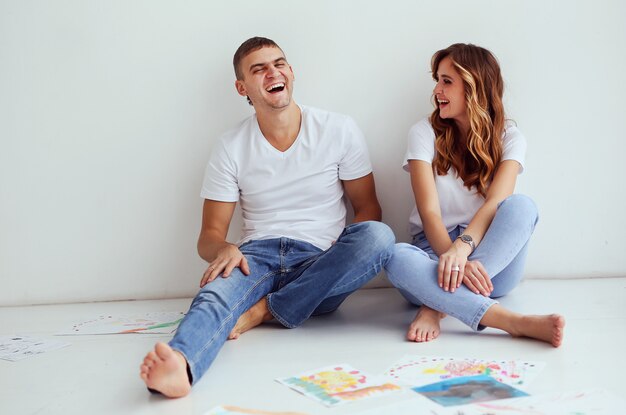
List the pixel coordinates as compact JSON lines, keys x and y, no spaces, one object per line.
{"x":470,"y":232}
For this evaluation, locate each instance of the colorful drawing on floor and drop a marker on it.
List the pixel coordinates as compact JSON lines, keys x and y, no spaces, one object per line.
{"x":468,"y":389}
{"x":15,"y":347}
{"x":335,"y":385}
{"x":154,"y":322}
{"x":593,"y":401}
{"x":423,"y":370}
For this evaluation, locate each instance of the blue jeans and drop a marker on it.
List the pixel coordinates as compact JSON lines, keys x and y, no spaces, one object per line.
{"x":502,"y":251}
{"x":298,"y":279}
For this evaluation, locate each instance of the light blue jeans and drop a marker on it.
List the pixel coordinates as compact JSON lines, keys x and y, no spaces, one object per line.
{"x":502,"y":251}
{"x":298,"y":279}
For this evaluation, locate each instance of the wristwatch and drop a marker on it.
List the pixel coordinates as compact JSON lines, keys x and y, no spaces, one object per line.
{"x":468,"y":240}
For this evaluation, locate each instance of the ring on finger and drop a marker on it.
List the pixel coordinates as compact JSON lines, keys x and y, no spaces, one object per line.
{"x":455,"y":268}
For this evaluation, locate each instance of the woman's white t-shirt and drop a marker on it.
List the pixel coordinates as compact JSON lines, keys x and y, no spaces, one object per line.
{"x":458,"y":203}
{"x":295,"y":193}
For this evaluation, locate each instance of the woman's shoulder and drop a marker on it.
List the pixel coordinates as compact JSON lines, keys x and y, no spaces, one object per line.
{"x":422,"y":129}
{"x":512,"y":132}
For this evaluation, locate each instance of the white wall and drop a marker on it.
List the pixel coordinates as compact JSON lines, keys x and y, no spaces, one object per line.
{"x":108,"y":111}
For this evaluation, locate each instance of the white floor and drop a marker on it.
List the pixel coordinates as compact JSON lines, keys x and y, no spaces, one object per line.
{"x":99,"y":374}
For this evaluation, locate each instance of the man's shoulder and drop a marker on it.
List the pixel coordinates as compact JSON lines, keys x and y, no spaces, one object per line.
{"x":241,"y":131}
{"x":325,"y":117}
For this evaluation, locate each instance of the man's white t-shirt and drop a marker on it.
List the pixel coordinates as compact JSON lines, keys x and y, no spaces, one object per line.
{"x":296,"y":193}
{"x":458,"y":203}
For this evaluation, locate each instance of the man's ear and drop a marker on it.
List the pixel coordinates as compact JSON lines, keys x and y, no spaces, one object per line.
{"x":241,"y":88}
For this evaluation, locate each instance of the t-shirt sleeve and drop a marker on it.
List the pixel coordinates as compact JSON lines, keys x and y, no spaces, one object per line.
{"x":514,"y":146}
{"x":355,"y":161}
{"x":421,"y":144}
{"x":220,"y":176}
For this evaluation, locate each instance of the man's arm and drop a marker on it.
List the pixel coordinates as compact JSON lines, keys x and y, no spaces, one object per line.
{"x":212,"y":246}
{"x":362,"y":195}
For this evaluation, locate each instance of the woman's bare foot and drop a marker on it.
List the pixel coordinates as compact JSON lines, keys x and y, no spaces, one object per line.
{"x":548,"y":328}
{"x":256,"y":315}
{"x":425,"y":325}
{"x":165,"y":370}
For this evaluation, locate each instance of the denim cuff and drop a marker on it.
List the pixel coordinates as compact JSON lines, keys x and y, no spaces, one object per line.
{"x":276,"y":315}
{"x":476,"y":326}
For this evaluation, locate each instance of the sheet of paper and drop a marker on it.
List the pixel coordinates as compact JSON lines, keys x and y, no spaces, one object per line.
{"x":338,"y":384}
{"x":234,"y":410}
{"x":594,"y":401}
{"x":14,"y":348}
{"x":423,"y":370}
{"x":415,"y":406}
{"x":468,"y":389}
{"x":154,"y":322}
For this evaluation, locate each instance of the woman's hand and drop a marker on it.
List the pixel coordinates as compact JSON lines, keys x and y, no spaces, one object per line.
{"x":451,"y":267}
{"x":476,"y":278}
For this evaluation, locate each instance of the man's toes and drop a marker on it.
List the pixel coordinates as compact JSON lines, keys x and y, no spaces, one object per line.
{"x":162,"y":351}
{"x":148,"y":361}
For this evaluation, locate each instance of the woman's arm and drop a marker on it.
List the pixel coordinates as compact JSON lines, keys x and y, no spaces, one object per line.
{"x":427,"y":203}
{"x":501,"y":187}
{"x":477,"y":279}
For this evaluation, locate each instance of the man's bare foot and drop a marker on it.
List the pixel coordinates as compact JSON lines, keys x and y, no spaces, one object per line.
{"x":165,"y":370}
{"x":548,"y":328}
{"x":256,"y":315}
{"x":425,"y":325}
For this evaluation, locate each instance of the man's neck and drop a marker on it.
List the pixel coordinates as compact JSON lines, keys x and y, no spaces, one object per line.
{"x":280,"y":127}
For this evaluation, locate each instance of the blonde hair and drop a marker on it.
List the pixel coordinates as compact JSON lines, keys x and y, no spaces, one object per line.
{"x":476,"y":161}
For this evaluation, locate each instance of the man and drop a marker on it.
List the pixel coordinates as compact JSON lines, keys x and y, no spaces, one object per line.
{"x":289,"y":167}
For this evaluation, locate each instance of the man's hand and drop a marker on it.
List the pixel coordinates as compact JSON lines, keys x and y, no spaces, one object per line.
{"x":228,"y":258}
{"x":477,"y":279}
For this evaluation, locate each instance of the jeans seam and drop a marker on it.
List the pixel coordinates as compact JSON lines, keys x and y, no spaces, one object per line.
{"x":230,"y":315}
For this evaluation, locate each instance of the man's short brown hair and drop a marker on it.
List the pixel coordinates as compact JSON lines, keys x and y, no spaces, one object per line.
{"x":250,"y":45}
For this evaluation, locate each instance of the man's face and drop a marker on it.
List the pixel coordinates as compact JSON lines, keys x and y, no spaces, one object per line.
{"x":267,"y":78}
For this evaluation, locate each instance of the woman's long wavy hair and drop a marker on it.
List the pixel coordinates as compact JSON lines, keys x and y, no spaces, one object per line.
{"x":476,"y":157}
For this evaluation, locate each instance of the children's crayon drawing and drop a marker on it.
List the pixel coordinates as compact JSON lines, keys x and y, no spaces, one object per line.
{"x":423,"y":370}
{"x":14,"y":348}
{"x":234,"y":410}
{"x":155,"y":322}
{"x":468,"y":389}
{"x":594,"y":401}
{"x":335,"y":385}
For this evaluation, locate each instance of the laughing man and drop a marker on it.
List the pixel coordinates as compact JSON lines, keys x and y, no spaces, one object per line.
{"x":289,"y":166}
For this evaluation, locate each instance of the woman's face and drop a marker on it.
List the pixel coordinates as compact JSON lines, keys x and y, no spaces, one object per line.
{"x":450,"y":93}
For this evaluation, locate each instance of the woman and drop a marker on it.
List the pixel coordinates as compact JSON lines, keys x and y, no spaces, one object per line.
{"x":470,"y":233}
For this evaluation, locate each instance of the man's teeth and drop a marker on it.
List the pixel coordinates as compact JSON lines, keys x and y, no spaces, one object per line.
{"x":275,"y":86}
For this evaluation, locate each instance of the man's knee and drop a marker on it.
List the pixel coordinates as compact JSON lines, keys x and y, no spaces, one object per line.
{"x":374,"y":235}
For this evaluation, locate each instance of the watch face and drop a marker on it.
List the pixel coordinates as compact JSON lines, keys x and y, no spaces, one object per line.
{"x":466,"y":238}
